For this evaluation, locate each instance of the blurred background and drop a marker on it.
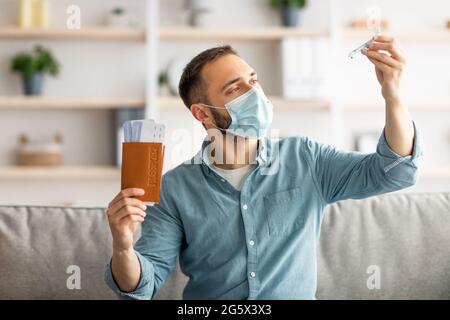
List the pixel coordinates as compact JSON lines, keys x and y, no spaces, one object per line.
{"x":71,"y":71}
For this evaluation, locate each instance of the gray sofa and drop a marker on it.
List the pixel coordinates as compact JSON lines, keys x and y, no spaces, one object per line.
{"x":389,"y":247}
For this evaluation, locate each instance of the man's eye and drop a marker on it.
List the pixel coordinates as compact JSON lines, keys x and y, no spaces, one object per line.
{"x":234,"y":90}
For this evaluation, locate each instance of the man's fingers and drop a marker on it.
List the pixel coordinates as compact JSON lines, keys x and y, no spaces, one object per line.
{"x":383,"y":38}
{"x":134,"y":218}
{"x":130,"y":192}
{"x":126,"y":212}
{"x":380,"y":65}
{"x":118,"y":205}
{"x":125,"y":202}
{"x":384,"y":58}
{"x":391,"y":47}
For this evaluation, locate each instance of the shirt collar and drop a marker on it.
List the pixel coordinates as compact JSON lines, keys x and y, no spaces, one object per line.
{"x":262,"y":158}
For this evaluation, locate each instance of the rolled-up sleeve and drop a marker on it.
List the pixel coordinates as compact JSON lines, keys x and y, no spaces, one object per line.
{"x":144,"y":288}
{"x":157,"y":248}
{"x":343,"y":175}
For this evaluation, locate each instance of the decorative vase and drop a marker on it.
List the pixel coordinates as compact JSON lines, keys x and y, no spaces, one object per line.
{"x":25,"y":13}
{"x":290,"y":16}
{"x":33,"y":13}
{"x":41,"y":13}
{"x":33,"y":85}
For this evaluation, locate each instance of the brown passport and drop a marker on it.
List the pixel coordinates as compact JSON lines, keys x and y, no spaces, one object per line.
{"x":142,"y":165}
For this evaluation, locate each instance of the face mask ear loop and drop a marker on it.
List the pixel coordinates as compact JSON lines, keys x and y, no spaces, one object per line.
{"x":220,"y":129}
{"x":208,"y":106}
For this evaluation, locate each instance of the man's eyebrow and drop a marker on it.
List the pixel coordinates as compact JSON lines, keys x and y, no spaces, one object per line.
{"x":229,"y":83}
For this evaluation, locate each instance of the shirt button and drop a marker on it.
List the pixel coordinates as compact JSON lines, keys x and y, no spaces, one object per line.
{"x":252,"y":274}
{"x":245,"y":207}
{"x":252,"y":242}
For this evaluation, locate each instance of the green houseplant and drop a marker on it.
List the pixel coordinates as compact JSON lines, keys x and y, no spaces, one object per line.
{"x":290,"y":10}
{"x":32,"y":66}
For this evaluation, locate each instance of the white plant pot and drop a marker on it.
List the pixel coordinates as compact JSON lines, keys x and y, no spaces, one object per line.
{"x":164,"y":91}
{"x":122,"y":20}
{"x":200,"y":4}
{"x":198,"y":13}
{"x":204,"y":20}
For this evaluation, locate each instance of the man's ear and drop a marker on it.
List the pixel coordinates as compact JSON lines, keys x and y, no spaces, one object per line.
{"x":199,"y":113}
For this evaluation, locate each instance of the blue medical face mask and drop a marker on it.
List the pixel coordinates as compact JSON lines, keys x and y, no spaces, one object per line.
{"x":251,"y":114}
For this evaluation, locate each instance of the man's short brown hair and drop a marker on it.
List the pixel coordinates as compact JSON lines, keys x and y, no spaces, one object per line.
{"x":192,"y":86}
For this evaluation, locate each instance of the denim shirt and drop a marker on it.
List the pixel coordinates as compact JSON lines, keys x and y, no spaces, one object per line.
{"x":261,"y":242}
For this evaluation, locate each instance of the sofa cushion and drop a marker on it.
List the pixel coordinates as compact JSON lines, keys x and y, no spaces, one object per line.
{"x":39,"y":244}
{"x":402,"y":238}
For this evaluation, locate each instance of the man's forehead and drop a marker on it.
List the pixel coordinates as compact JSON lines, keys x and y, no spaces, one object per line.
{"x":224,"y":69}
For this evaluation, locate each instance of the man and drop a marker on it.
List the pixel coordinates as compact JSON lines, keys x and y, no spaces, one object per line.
{"x":242,"y":230}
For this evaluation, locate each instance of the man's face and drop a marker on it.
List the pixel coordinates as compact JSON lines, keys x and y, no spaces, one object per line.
{"x":226,"y":79}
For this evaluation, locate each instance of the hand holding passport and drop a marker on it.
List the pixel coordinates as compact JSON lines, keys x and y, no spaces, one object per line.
{"x":142,"y":158}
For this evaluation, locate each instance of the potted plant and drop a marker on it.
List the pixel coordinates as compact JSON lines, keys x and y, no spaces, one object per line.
{"x":163,"y":82}
{"x":290,"y":10}
{"x":119,"y":17}
{"x":32,"y":66}
{"x":197,"y":10}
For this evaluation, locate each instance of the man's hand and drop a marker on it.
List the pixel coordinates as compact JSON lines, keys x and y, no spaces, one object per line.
{"x":124,"y":214}
{"x":399,"y":129}
{"x":388,"y":66}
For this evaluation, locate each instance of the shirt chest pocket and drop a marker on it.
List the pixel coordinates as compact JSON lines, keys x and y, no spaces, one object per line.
{"x":283,"y":211}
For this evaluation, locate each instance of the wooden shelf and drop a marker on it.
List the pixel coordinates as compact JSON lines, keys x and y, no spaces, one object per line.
{"x":88,"y":33}
{"x":34,"y":103}
{"x":59,"y":173}
{"x":430,"y":35}
{"x":262,"y":33}
{"x":165,"y":33}
{"x":182,"y":33}
{"x":278,"y":102}
{"x":439,"y":105}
